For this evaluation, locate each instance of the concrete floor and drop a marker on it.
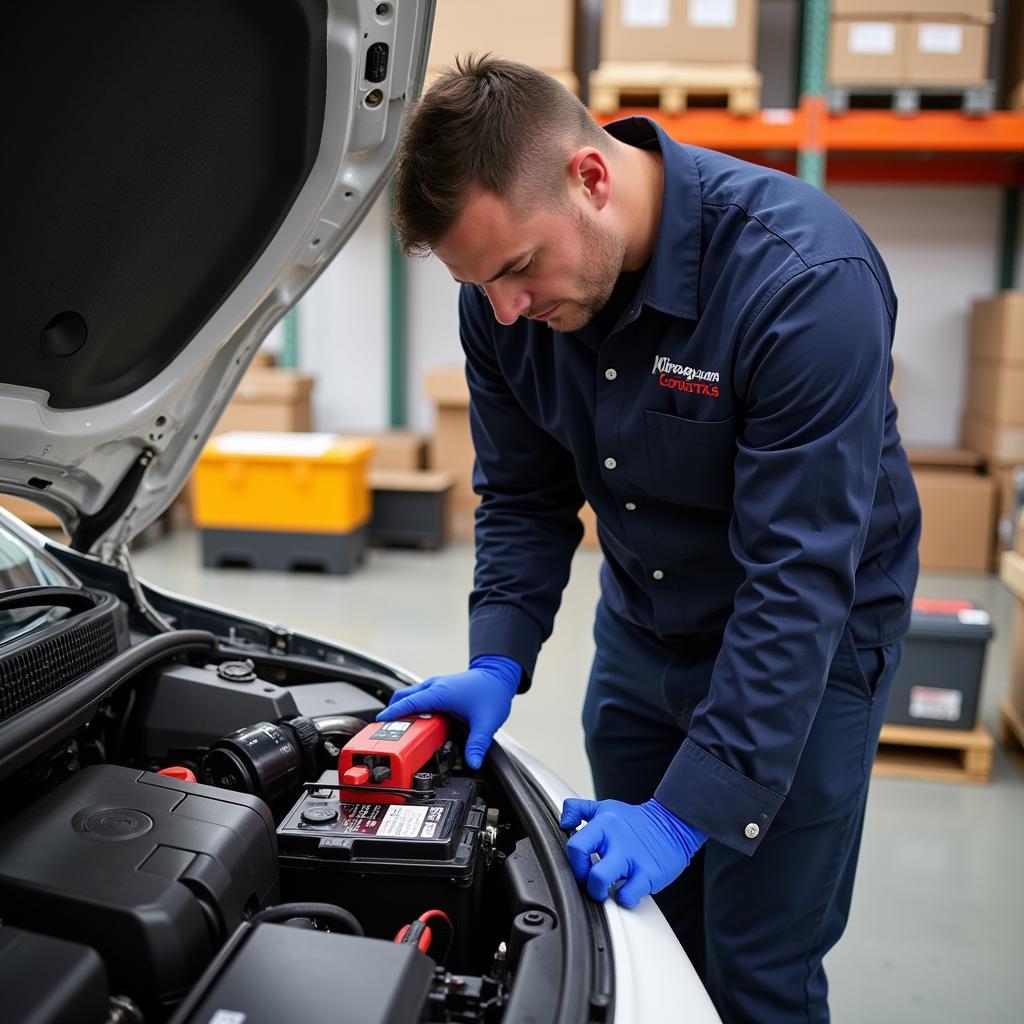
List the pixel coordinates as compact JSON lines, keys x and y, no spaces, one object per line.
{"x":938,"y":915}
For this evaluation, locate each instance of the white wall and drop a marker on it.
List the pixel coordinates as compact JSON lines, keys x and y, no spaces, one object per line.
{"x":433,"y":323}
{"x":941,"y":244}
{"x":343,"y":332}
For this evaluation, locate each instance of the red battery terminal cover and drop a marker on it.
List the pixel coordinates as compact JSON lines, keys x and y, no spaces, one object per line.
{"x":178,"y":771}
{"x":389,"y":754}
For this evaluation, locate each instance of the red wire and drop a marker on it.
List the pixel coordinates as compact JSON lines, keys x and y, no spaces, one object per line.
{"x":427,"y":915}
{"x":423,"y":943}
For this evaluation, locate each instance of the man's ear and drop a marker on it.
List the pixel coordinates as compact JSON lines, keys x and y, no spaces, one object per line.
{"x":589,"y":170}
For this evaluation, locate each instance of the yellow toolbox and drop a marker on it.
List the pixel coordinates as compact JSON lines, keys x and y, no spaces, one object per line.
{"x":313,"y":483}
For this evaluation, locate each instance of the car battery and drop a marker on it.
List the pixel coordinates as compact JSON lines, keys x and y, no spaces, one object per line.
{"x":283,"y":500}
{"x":939,"y":678}
{"x":388,"y":862}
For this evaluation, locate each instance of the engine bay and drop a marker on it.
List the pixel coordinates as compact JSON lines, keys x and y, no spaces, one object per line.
{"x":221,"y":834}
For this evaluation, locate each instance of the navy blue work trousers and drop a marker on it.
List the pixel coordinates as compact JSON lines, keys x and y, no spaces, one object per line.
{"x":755,"y":927}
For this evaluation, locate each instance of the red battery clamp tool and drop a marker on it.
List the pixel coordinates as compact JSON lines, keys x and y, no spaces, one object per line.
{"x":386,"y":758}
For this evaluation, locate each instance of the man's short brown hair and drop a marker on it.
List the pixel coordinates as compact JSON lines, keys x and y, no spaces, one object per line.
{"x":488,"y":123}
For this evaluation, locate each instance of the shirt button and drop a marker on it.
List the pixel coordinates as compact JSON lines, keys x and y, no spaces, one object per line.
{"x":631,"y":506}
{"x":751,"y":831}
{"x":610,"y":374}
{"x":610,"y":463}
{"x":658,"y":574}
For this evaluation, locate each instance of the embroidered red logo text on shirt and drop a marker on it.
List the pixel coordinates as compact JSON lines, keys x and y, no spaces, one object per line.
{"x":685,"y":378}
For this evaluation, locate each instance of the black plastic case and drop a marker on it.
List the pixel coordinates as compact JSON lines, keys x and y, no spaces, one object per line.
{"x":151,"y":872}
{"x":271,"y":973}
{"x":50,"y":981}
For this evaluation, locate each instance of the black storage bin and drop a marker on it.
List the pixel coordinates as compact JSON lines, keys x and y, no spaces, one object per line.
{"x":409,"y":508}
{"x":939,"y":678}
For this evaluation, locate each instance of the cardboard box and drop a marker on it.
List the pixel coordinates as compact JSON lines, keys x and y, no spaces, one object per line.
{"x":1011,"y":572}
{"x":1004,"y":477}
{"x":962,"y":459}
{"x":999,"y":443}
{"x":946,"y":52}
{"x":398,"y":450}
{"x":997,"y":328}
{"x":995,"y":391}
{"x":867,"y":52}
{"x":1012,"y":32}
{"x":451,"y":449}
{"x":1009,"y":507}
{"x":683,"y":31}
{"x":1016,"y":665}
{"x":958,"y":510}
{"x":979,"y":9}
{"x":31,"y":513}
{"x":269,"y":399}
{"x":535,"y":32}
{"x":446,"y":385}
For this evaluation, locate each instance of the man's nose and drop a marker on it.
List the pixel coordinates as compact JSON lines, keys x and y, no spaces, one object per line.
{"x":508,"y":301}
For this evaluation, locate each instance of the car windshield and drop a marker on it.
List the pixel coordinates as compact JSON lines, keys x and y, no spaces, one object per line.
{"x":23,"y":566}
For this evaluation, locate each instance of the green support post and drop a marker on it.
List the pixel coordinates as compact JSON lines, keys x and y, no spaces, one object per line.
{"x":1011,"y":232}
{"x":811,"y":159}
{"x":397,"y":345}
{"x":289,"y":357}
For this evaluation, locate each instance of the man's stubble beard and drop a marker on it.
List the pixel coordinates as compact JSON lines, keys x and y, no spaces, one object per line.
{"x":603,"y":255}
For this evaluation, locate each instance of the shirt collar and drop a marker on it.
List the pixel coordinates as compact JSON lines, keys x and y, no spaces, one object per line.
{"x":672,"y":279}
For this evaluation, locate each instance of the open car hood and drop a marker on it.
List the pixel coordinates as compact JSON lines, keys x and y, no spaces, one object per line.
{"x":175,"y":175}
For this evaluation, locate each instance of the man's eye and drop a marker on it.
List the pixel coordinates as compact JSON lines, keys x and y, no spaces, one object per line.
{"x":526,"y":268}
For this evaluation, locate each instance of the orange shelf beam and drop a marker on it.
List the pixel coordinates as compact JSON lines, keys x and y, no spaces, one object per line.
{"x":926,"y":170}
{"x":935,"y":131}
{"x":869,"y":132}
{"x":718,"y":129}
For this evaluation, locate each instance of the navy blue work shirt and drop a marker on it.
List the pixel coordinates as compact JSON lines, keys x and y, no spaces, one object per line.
{"x":735,"y":434}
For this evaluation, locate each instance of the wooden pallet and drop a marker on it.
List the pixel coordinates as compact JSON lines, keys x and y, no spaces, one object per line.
{"x":1011,"y":732}
{"x":937,"y":755}
{"x":670,"y":87}
{"x":911,"y":99}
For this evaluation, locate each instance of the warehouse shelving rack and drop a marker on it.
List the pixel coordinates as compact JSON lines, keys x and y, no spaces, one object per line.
{"x":931,"y":147}
{"x":936,"y":147}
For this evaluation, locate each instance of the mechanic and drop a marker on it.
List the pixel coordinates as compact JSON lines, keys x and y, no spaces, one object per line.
{"x":700,"y":347}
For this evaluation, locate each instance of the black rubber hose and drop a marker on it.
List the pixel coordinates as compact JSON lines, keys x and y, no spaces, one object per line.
{"x":42,"y":725}
{"x":323,"y":911}
{"x":55,"y":597}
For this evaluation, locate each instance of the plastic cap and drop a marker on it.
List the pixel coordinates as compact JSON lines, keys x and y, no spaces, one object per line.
{"x":357,"y":776}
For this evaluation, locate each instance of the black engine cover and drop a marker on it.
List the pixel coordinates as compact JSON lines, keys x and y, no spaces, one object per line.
{"x":151,"y":872}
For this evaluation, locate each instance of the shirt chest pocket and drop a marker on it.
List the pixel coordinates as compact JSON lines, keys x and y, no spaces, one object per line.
{"x":690,"y":462}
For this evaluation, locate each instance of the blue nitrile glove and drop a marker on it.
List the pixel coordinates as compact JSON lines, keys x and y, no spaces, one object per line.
{"x":481,"y":697}
{"x":644,"y":846}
